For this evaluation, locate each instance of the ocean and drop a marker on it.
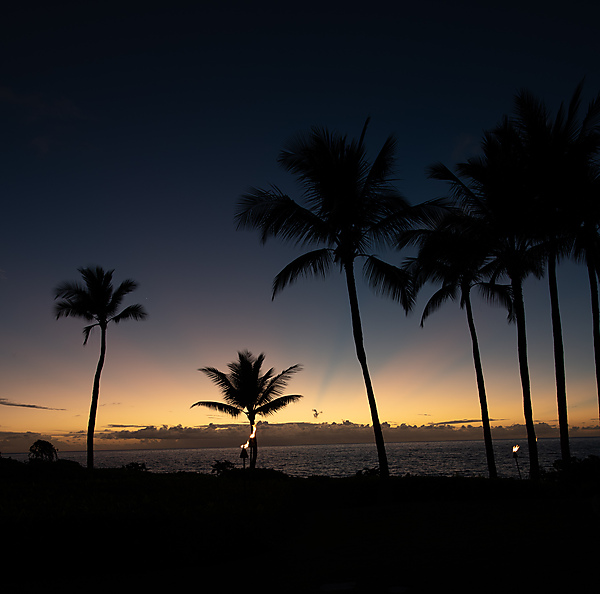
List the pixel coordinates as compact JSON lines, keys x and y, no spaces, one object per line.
{"x":440,"y":458}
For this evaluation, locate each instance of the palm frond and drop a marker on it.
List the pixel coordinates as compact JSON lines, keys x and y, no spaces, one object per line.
{"x":223,"y":382}
{"x":275,"y":386}
{"x":378,"y":177}
{"x":126,"y":287}
{"x":459,"y":191}
{"x":131,"y":312}
{"x":442,"y":295}
{"x":275,"y":405}
{"x":500,"y":295}
{"x":316,"y":263}
{"x":389,"y":280}
{"x":73,"y":308}
{"x":275,"y":214}
{"x":86,"y":332}
{"x":220,"y":407}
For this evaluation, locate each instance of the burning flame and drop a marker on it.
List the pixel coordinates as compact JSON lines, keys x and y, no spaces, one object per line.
{"x":516,"y":449}
{"x":252,"y":435}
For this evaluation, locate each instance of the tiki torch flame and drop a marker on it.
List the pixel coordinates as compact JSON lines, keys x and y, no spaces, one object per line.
{"x":252,"y":435}
{"x":516,"y":457}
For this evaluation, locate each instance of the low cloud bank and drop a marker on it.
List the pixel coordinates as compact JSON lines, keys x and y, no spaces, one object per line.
{"x":234,"y":435}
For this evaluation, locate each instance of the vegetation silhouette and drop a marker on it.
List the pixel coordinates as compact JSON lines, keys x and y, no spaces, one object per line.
{"x":560,"y":154}
{"x":42,"y":451}
{"x":495,"y":195}
{"x":350,"y":208}
{"x":450,"y":255}
{"x":246,"y":391}
{"x":96,"y":301}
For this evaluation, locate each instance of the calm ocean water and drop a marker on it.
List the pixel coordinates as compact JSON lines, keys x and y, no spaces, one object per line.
{"x":441,"y":458}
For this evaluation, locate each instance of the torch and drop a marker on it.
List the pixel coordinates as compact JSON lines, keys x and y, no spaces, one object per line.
{"x":516,"y":457}
{"x":244,"y":452}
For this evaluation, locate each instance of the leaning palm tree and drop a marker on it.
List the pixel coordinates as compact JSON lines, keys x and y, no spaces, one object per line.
{"x":449,"y":255}
{"x":98,"y":302}
{"x":246,"y":391}
{"x":350,"y":206}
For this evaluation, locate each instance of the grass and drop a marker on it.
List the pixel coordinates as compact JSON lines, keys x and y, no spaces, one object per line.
{"x":273,"y":533}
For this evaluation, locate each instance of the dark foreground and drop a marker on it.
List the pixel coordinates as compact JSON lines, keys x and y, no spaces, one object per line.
{"x":131,"y":530}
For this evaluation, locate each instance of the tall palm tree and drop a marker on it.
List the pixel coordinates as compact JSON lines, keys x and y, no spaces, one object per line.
{"x":96,"y":301}
{"x":350,"y":207}
{"x":560,"y":153}
{"x":246,"y":391}
{"x":587,"y":250}
{"x":449,"y":255}
{"x":495,"y":196}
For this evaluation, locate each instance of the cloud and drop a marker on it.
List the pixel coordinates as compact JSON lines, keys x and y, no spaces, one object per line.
{"x":346,"y":432}
{"x":463,"y":421}
{"x":233,"y":435}
{"x":5,"y":402}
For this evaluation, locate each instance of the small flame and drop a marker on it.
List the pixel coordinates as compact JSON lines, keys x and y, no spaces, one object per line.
{"x":516,"y":448}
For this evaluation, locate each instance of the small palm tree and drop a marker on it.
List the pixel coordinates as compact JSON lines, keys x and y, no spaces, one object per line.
{"x":350,"y":206}
{"x":246,"y":391}
{"x":98,"y":302}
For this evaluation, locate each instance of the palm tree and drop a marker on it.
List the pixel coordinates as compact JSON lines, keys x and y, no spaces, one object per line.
{"x":587,"y":250}
{"x":98,"y":302}
{"x":246,"y":391}
{"x":495,"y":196}
{"x":450,"y":256}
{"x":350,"y":207}
{"x":559,"y":154}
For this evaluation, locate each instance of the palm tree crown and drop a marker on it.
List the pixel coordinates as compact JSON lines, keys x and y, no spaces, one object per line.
{"x":246,"y":391}
{"x":96,"y":300}
{"x":351,"y":208}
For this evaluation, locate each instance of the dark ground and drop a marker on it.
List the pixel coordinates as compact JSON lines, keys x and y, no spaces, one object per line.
{"x":121,"y":529}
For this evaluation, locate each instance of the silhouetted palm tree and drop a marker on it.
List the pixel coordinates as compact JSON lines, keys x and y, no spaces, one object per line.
{"x":246,"y":391}
{"x":450,"y":255}
{"x":558,"y":153}
{"x":495,"y":196}
{"x":587,"y":250}
{"x":96,"y":301}
{"x":351,"y":207}
{"x":572,"y":186}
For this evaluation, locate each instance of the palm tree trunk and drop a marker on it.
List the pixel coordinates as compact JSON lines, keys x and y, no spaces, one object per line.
{"x":559,"y":364}
{"x":485,"y":418}
{"x":362,"y":359}
{"x":252,"y":443}
{"x":595,"y":322}
{"x":95,"y":396}
{"x":534,"y":465}
{"x":253,"y":452}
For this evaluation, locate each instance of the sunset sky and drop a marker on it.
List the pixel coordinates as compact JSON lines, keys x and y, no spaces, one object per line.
{"x":129,"y":134}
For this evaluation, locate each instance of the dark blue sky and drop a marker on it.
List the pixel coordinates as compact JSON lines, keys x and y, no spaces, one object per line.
{"x":128,"y":134}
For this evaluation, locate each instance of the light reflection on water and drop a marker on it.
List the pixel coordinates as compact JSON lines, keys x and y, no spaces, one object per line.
{"x":442,"y":458}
